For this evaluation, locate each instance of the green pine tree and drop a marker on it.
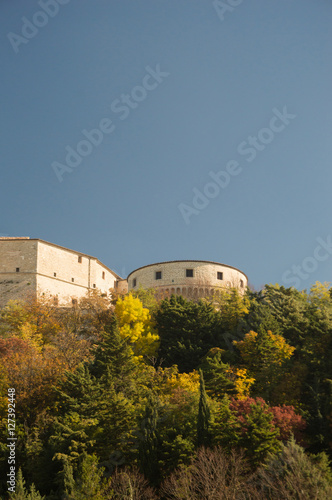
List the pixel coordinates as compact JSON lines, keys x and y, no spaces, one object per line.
{"x":113,"y":359}
{"x":21,"y":492}
{"x":89,"y":484}
{"x":216,"y":379}
{"x":187,"y":331}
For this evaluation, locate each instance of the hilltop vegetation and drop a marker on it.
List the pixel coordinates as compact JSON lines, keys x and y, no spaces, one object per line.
{"x":134,"y":397}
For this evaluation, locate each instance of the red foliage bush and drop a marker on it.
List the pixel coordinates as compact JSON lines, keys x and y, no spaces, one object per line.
{"x":287,"y":421}
{"x":284,"y":417}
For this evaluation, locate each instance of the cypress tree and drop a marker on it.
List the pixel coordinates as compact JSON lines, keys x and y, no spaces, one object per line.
{"x":204,"y":416}
{"x":148,"y":443}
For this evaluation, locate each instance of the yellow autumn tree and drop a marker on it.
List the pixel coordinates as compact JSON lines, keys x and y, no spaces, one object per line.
{"x":264,"y":355}
{"x":187,"y":381}
{"x":258,"y":350}
{"x":35,"y":320}
{"x":136,"y":326}
{"x":242,"y":382}
{"x":168,"y":381}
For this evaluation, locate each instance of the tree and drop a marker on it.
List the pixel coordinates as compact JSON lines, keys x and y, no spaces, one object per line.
{"x":288,"y":422}
{"x":129,"y":484}
{"x":149,"y":443}
{"x":92,"y":417}
{"x":114,"y":356}
{"x":20,"y":491}
{"x":256,"y":433}
{"x":88,"y":317}
{"x":178,"y":394}
{"x":148,"y":297}
{"x":136,"y":326}
{"x":280,"y":310}
{"x":217,"y":374}
{"x":212,"y":476}
{"x":204,"y":415}
{"x":187,"y":330}
{"x":34,"y":374}
{"x":35,"y":319}
{"x":291,"y":474}
{"x":89,"y":483}
{"x":232,"y":305}
{"x":320,"y":294}
{"x":264,"y":354}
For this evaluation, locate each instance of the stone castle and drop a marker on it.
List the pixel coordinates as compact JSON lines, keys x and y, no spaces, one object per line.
{"x":31,"y":266}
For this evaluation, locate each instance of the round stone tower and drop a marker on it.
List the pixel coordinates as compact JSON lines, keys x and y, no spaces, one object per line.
{"x":190,"y":278}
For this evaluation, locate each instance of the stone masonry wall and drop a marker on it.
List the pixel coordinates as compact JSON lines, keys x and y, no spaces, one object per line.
{"x":67,"y":274}
{"x":18,"y":255}
{"x":173,"y":277}
{"x":49,"y":269}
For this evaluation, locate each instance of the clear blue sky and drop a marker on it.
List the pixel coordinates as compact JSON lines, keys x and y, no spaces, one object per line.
{"x":221,"y":79}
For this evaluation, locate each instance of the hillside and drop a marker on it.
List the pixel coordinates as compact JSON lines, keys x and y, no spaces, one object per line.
{"x":135,"y":397}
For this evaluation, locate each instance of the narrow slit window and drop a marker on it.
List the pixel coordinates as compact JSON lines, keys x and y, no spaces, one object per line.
{"x":134,"y":282}
{"x":103,"y":275}
{"x":80,"y":259}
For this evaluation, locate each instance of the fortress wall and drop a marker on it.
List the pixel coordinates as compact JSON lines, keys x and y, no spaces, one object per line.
{"x":102,"y":283}
{"x":76,"y":273}
{"x":31,"y":266}
{"x":64,"y":291}
{"x":64,"y":263}
{"x":17,"y":287}
{"x":50,"y":270}
{"x":174,"y":280}
{"x":21,"y":254}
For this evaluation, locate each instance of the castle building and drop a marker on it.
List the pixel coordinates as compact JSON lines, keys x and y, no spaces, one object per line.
{"x":33,"y":266}
{"x":189,"y":278}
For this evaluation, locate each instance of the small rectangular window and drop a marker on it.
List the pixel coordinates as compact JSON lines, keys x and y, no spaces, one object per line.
{"x":94,"y":285}
{"x":134,"y":282}
{"x":17,"y":269}
{"x":220,"y":276}
{"x":103,"y":275}
{"x":158,"y":275}
{"x":73,"y":280}
{"x":241,"y":283}
{"x":189,"y":273}
{"x":54,"y":274}
{"x":80,"y":259}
